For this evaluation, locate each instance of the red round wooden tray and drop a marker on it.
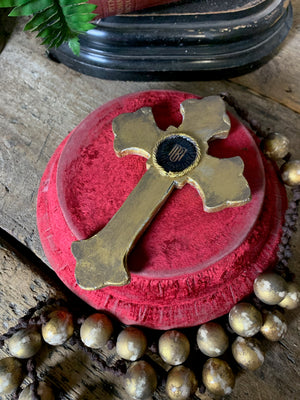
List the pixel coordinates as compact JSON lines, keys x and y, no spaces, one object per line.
{"x":189,"y":266}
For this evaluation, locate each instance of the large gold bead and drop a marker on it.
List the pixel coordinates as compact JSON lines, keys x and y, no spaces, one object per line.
{"x":131,"y":344}
{"x":248,"y":353}
{"x":173,"y":347}
{"x":218,"y":377}
{"x":212,"y":339}
{"x":96,"y":331}
{"x":290,"y":173}
{"x":181,"y":383}
{"x":44,"y":391}
{"x":140,"y":380}
{"x":275,"y":146}
{"x":59,"y":328}
{"x":292,"y":298}
{"x":270,"y":288}
{"x":25,"y":343}
{"x":11,"y":375}
{"x":274,"y":327}
{"x":245,"y":319}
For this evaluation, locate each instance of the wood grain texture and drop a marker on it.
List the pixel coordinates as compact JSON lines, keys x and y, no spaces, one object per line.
{"x":279,"y":78}
{"x":40,"y":102}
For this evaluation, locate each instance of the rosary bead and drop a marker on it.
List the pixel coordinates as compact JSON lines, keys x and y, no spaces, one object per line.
{"x":270,"y":288}
{"x":44,"y":391}
{"x":131,"y":344}
{"x":290,"y":173}
{"x":11,"y":375}
{"x":248,"y":353}
{"x":212,"y":339}
{"x":25,"y":343}
{"x":245,"y":319}
{"x":218,"y":377}
{"x":274,"y":327}
{"x":181,"y":383}
{"x":59,"y":328}
{"x":96,"y":331}
{"x":292,"y":298}
{"x":173,"y":347}
{"x":275,"y":146}
{"x":140,"y":381}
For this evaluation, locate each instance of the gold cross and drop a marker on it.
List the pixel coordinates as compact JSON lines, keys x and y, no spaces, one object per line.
{"x":174,"y":157}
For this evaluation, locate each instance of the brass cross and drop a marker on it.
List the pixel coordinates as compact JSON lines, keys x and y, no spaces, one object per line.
{"x":174,"y":157}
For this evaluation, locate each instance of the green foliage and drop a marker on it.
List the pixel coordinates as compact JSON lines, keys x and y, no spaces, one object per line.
{"x":56,"y":21}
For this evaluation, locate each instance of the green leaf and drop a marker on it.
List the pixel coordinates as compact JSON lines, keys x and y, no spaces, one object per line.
{"x":82,"y":27}
{"x":74,"y":45}
{"x":49,"y":31}
{"x":55,"y":21}
{"x":50,"y":22}
{"x":51,"y":41}
{"x":79,"y":9}
{"x":58,"y":41}
{"x":32,"y":7}
{"x":41,"y":18}
{"x":65,"y":3}
{"x":73,"y":19}
{"x":12,"y":3}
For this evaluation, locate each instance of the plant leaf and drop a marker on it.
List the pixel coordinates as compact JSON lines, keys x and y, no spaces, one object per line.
{"x":41,"y":18}
{"x":74,"y":45}
{"x":56,"y":21}
{"x":78,"y":9}
{"x":48,"y":31}
{"x":80,"y":18}
{"x":31,"y":8}
{"x":12,"y":3}
{"x":65,"y":3}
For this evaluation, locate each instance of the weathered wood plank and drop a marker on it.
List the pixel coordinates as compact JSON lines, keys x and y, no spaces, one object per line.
{"x":279,"y":78}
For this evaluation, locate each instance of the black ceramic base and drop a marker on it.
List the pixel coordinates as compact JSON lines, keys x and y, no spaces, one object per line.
{"x":189,"y":40}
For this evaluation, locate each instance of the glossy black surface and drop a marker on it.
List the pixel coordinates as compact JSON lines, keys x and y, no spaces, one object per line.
{"x":189,"y":40}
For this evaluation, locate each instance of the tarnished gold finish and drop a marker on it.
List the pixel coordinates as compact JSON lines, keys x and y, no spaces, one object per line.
{"x":174,"y":347}
{"x":292,"y":298}
{"x":212,"y":339}
{"x":218,"y":377}
{"x":11,"y":375}
{"x":275,"y":146}
{"x":248,"y":353}
{"x":140,"y":381}
{"x":270,"y":288}
{"x":181,"y":383}
{"x":25,"y":343}
{"x":274,"y":327}
{"x":44,"y":391}
{"x":96,"y":331}
{"x":290,"y":173}
{"x":59,"y":328}
{"x":131,"y":344}
{"x":245,"y":319}
{"x":102,"y":260}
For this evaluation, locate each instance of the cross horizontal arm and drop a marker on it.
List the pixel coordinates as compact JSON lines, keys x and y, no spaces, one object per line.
{"x":220,"y":183}
{"x":135,"y":133}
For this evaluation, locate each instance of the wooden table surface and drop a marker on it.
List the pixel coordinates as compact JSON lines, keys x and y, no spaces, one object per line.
{"x":40,"y":102}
